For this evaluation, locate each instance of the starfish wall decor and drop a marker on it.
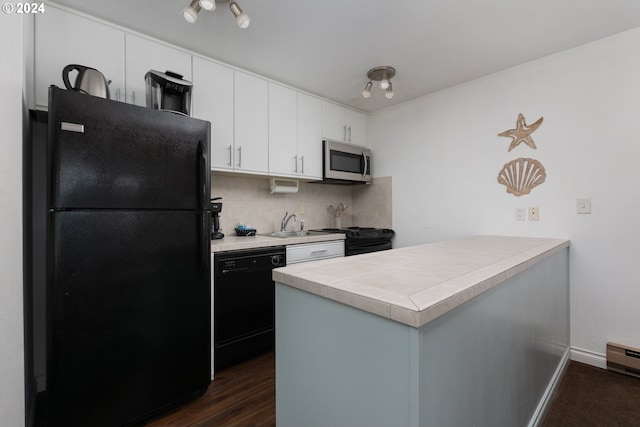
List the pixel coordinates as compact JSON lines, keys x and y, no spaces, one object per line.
{"x":522,"y":133}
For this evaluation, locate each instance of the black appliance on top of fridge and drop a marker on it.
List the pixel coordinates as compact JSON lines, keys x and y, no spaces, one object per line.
{"x":121,"y":261}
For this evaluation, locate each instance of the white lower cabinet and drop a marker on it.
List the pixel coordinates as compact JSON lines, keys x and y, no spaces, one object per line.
{"x":314,"y":251}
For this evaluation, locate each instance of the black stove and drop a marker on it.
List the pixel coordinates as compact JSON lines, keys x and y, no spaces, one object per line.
{"x":362,"y":240}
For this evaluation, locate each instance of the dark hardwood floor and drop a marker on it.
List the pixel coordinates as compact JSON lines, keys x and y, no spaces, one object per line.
{"x":240,"y":396}
{"x":244,"y":396}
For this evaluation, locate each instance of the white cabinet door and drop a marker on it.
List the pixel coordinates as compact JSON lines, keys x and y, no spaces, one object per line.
{"x":283,"y":145}
{"x":357,"y":128}
{"x":212,"y":100}
{"x":143,"y":55}
{"x":251,"y":127}
{"x":63,"y":38}
{"x":310,"y":136}
{"x":333,"y":122}
{"x":343,"y":124}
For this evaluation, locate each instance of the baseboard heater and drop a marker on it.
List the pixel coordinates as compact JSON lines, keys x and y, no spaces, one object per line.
{"x":623,"y":359}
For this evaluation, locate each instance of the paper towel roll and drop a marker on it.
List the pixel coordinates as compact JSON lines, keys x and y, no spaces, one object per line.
{"x":281,"y":185}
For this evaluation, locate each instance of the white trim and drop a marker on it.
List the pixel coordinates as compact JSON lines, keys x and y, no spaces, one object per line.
{"x":581,"y":355}
{"x":543,"y":406}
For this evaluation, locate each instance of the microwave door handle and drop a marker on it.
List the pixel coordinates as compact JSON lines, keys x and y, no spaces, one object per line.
{"x":364,"y":171}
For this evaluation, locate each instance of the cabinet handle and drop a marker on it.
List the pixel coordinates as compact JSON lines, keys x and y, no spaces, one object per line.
{"x":349,"y":133}
{"x":324,"y":251}
{"x":302,"y":160}
{"x":366,"y":165}
{"x":230,"y":151}
{"x":345,"y":132}
{"x":240,"y":156}
{"x":118,"y":94}
{"x":133,"y":97}
{"x":295,"y":159}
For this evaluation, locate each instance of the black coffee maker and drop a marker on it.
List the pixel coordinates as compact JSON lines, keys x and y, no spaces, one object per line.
{"x":216,"y":208}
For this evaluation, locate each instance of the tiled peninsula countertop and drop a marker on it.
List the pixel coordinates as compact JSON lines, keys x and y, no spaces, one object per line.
{"x":232,"y":243}
{"x":414,"y":285}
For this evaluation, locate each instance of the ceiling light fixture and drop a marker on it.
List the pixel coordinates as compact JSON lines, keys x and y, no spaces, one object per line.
{"x":242,"y":19}
{"x":383,"y":75}
{"x":208,"y":4}
{"x":190,"y":12}
{"x":367,"y":89}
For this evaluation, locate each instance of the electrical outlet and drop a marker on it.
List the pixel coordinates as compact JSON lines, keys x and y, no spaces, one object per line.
{"x":584,"y":205}
{"x":301,"y":210}
{"x":534,"y":213}
{"x":520,"y":214}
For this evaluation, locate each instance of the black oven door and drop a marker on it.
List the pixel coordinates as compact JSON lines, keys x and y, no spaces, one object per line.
{"x":364,"y":246}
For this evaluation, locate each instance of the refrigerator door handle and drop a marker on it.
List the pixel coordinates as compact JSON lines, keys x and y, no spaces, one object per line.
{"x":203,"y":174}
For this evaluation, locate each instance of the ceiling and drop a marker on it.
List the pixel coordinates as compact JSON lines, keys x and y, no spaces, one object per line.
{"x":327,"y":47}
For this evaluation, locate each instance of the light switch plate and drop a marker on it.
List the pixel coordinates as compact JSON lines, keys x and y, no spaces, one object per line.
{"x":583,"y":205}
{"x":534,"y":213}
{"x":520,"y":214}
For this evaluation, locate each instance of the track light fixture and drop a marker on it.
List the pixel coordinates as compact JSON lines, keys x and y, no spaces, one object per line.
{"x":242,"y":19}
{"x":190,"y":12}
{"x":383,"y":75}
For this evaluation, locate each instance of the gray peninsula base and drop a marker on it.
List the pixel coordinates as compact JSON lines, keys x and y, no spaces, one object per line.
{"x":492,"y":361}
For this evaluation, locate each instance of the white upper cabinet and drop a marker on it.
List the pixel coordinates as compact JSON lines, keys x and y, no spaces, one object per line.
{"x":251,"y":127}
{"x":143,"y":55}
{"x":310,"y":136}
{"x":343,"y":124}
{"x":357,"y":127}
{"x":64,"y":38}
{"x":295,"y":133}
{"x":283,"y":138}
{"x":212,"y":100}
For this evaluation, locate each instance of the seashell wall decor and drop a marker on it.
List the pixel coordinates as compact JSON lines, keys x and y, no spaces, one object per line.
{"x":522,"y":133}
{"x":522,"y":175}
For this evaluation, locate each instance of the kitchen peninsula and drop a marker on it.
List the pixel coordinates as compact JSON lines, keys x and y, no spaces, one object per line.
{"x":472,"y":331}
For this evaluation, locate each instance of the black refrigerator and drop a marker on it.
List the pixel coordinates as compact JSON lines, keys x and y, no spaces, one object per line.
{"x":120,"y":244}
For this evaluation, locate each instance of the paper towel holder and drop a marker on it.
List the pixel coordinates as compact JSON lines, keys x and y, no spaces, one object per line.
{"x":281,"y":185}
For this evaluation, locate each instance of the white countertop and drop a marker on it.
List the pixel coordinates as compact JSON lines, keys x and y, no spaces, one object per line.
{"x":417,"y":284}
{"x":232,"y":243}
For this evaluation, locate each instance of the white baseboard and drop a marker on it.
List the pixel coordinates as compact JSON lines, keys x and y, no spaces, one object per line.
{"x":589,"y":357}
{"x":543,"y":406}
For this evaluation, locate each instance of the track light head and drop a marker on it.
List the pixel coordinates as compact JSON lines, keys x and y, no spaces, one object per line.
{"x":190,"y":12}
{"x":389,"y":92}
{"x":208,"y":4}
{"x":367,"y":89}
{"x":242,"y":19}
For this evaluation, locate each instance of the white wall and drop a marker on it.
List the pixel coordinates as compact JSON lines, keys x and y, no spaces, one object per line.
{"x":11,"y":122}
{"x":444,"y":154}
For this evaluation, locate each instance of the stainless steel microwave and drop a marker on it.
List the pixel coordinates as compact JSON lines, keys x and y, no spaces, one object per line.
{"x":345,"y":163}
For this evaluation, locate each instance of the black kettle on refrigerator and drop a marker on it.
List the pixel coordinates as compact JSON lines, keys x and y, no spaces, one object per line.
{"x":89,"y":81}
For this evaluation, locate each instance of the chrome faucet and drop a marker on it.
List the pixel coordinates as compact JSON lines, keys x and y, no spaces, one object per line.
{"x":285,"y":221}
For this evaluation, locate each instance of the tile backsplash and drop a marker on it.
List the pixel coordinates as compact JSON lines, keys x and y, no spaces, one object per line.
{"x":248,"y":200}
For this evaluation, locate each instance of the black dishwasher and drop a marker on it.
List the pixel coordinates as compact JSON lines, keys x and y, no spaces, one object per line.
{"x":243,"y":303}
